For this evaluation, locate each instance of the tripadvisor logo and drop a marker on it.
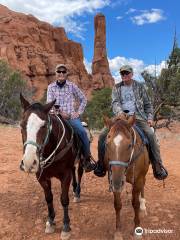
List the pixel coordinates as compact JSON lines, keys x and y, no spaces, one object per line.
{"x":138,"y":231}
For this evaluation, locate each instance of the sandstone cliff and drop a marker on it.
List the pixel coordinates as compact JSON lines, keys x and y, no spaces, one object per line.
{"x":35,"y":48}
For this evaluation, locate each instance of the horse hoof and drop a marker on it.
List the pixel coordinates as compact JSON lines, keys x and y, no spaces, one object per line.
{"x":138,"y":232}
{"x":118,"y":236}
{"x":76,"y":199}
{"x":50,"y":228}
{"x":137,"y":237}
{"x":65,"y":235}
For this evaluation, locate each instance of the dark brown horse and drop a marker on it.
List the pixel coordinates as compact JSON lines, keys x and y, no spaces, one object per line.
{"x":49,"y":151}
{"x":126,"y":159}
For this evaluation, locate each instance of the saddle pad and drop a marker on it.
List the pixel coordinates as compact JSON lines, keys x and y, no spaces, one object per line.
{"x":142,"y":135}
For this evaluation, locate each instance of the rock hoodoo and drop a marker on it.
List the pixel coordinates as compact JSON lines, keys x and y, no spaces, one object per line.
{"x":100,"y":66}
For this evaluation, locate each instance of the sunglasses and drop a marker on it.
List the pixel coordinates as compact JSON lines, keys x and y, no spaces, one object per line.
{"x":61,"y":71}
{"x":124,"y":73}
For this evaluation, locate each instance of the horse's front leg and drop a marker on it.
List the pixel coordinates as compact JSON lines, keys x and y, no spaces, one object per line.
{"x":136,"y":203}
{"x":50,"y":224}
{"x":117,"y":207}
{"x":65,"y":183}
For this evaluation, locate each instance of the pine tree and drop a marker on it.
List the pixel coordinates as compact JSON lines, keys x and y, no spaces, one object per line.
{"x":165,"y":89}
{"x":172,"y":77}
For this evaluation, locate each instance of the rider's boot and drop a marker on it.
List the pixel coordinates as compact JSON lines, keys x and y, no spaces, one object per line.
{"x":88,"y":164}
{"x":159,"y":170}
{"x":100,"y":170}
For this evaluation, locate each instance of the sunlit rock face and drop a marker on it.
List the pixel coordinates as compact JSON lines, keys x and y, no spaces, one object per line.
{"x":100,"y":66}
{"x":34,"y":48}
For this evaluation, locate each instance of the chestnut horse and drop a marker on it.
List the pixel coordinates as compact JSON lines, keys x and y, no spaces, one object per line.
{"x":49,"y":151}
{"x":126,"y":159}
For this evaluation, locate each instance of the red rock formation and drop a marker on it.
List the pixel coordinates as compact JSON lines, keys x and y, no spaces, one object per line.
{"x":100,"y":66}
{"x":35,"y":48}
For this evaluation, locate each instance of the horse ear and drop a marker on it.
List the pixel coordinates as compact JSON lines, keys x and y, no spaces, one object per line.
{"x":121,"y":116}
{"x":48,"y":106}
{"x":107,"y":121}
{"x":24,"y":103}
{"x":131,"y":120}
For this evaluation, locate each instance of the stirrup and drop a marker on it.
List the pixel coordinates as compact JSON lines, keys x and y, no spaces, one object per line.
{"x":99,"y":171}
{"x":160,"y":175}
{"x":89,"y":164}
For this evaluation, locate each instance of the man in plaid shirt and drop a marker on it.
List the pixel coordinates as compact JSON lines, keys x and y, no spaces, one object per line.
{"x":65,"y":93}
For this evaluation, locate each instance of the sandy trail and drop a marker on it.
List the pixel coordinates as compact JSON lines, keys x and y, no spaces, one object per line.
{"x":23,"y":209}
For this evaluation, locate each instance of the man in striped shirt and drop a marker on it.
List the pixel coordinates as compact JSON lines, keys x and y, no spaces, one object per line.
{"x":65,"y":92}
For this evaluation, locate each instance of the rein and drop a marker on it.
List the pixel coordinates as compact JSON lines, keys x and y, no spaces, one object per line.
{"x":132,"y":158}
{"x":44,"y":163}
{"x":126,"y":164}
{"x":59,"y":155}
{"x":39,"y":147}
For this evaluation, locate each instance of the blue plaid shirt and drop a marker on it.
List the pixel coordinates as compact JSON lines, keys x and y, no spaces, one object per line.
{"x":65,"y":97}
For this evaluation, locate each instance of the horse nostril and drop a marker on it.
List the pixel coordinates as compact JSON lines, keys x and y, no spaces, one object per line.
{"x":35,"y":162}
{"x":21,"y":165}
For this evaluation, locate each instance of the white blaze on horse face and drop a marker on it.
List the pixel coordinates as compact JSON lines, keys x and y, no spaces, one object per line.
{"x":34,"y":123}
{"x":117,"y":141}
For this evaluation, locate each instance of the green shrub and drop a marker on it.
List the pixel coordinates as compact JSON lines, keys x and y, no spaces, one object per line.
{"x":166,"y":111}
{"x":11,"y":84}
{"x":97,"y":107}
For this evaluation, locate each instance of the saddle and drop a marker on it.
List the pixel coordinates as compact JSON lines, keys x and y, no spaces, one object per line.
{"x":142,"y":135}
{"x":78,"y":143}
{"x":144,"y":140}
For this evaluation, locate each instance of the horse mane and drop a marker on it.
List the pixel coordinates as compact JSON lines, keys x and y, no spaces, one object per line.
{"x":36,"y":106}
{"x":120,"y":125}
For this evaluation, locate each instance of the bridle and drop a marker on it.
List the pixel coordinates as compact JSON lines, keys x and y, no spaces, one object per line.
{"x":40,"y":147}
{"x":126,"y":164}
{"x":45,"y":162}
{"x":131,"y":159}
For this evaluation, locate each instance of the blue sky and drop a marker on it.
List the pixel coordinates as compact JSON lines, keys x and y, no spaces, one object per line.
{"x":139,"y":32}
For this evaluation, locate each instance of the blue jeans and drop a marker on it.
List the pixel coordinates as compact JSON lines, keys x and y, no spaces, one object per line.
{"x":81,"y":132}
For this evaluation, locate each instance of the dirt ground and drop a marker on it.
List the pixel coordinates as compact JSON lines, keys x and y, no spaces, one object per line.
{"x":23,"y":209}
